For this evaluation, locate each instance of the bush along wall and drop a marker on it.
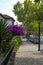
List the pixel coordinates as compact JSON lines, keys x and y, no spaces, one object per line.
{"x":16,"y":31}
{"x":14,"y":43}
{"x":6,"y":38}
{"x":16,"y":40}
{"x":4,"y":35}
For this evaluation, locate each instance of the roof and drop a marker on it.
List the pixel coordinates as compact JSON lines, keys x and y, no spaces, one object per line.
{"x":6,"y":16}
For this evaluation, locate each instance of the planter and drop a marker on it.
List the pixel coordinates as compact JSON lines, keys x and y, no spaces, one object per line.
{"x":5,"y":60}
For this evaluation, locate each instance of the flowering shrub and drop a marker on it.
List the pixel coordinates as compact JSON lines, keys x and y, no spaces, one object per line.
{"x":5,"y":45}
{"x":14,"y":29}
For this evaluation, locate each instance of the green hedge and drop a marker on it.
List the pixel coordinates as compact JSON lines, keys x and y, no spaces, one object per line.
{"x":16,"y":40}
{"x":4,"y":45}
{"x":6,"y":40}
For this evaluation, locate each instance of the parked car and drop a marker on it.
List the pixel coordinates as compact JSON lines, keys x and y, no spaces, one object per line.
{"x":35,"y":39}
{"x":31,"y":38}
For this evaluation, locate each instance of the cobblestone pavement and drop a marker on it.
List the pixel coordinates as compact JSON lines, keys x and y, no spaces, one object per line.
{"x":28,"y":54}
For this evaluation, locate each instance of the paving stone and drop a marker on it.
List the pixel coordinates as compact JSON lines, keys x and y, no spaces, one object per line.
{"x":27,"y":54}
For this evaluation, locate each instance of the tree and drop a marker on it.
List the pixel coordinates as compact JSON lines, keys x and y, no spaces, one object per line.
{"x":29,"y":13}
{"x":18,"y":11}
{"x":37,"y":1}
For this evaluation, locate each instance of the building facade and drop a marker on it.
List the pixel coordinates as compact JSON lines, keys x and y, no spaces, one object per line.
{"x":8,"y":20}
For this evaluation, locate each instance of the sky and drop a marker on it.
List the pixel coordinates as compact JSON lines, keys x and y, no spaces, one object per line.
{"x":6,"y":7}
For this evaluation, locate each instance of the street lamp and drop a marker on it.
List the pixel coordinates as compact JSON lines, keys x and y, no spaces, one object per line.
{"x":39,"y":33}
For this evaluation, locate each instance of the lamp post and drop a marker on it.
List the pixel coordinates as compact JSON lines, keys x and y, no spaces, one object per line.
{"x":39,"y":33}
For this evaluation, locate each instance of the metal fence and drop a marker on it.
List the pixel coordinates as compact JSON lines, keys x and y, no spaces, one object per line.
{"x":5,"y":60}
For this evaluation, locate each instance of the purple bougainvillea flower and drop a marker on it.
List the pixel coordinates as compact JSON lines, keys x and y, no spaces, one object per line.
{"x":16,"y":30}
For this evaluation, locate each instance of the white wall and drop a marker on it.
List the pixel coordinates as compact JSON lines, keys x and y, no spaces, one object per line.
{"x":9,"y":22}
{"x":17,"y":23}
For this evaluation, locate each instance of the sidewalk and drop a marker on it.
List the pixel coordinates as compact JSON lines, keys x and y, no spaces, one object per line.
{"x":28,"y":54}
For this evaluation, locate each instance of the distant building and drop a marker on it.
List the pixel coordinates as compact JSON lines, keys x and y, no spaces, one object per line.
{"x":9,"y":20}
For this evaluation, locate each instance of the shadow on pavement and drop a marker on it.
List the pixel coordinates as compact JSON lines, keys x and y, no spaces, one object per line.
{"x":28,"y":61}
{"x":41,"y":51}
